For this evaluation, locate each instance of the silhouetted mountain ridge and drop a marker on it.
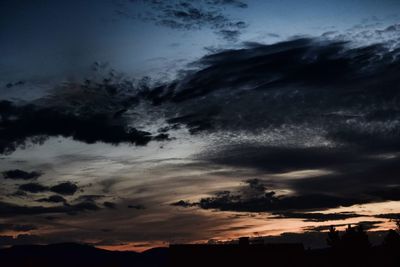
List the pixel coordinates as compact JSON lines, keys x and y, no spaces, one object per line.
{"x":74,"y":254}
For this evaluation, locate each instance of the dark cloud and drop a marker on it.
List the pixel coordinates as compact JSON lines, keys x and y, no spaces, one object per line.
{"x":230,"y":35}
{"x":355,"y":176}
{"x":95,"y":110}
{"x":367,"y":225}
{"x":318,"y":217}
{"x":20,"y":174}
{"x":82,"y":206}
{"x":53,"y":199}
{"x":31,"y":123}
{"x":9,"y":209}
{"x":227,"y":201}
{"x":137,"y":207}
{"x":187,"y":15}
{"x":194,"y":122}
{"x":162,"y":137}
{"x":183,"y":203}
{"x":341,"y":100}
{"x":281,"y":158}
{"x":392,"y":216}
{"x":315,"y":86}
{"x":300,"y":62}
{"x":33,"y":188}
{"x":66,"y":188}
{"x":236,"y":3}
{"x":254,"y":197}
{"x":323,"y":87}
{"x":359,"y":180}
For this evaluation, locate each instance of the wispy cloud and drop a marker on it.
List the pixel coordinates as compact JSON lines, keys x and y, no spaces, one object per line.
{"x":186,"y":15}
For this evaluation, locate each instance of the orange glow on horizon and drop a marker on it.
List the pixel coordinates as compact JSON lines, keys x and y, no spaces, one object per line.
{"x":135,"y":247}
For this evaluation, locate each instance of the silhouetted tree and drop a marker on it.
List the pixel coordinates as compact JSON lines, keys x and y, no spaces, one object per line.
{"x":333,"y":239}
{"x":355,"y":238}
{"x":397,"y":222}
{"x":392,"y":239}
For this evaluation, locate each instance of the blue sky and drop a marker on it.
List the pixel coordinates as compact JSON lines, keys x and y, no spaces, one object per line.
{"x":59,"y":38}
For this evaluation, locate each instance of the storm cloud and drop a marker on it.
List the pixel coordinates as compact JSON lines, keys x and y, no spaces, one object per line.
{"x":309,"y":90}
{"x":37,"y":124}
{"x":316,"y":87}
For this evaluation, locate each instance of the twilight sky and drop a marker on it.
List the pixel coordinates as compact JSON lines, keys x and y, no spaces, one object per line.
{"x":133,"y":124}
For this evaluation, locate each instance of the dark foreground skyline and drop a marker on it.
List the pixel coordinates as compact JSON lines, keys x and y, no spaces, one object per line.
{"x":350,"y":248}
{"x":137,"y":124}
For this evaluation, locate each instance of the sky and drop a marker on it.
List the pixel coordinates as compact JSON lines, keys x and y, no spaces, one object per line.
{"x":135,"y":124}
